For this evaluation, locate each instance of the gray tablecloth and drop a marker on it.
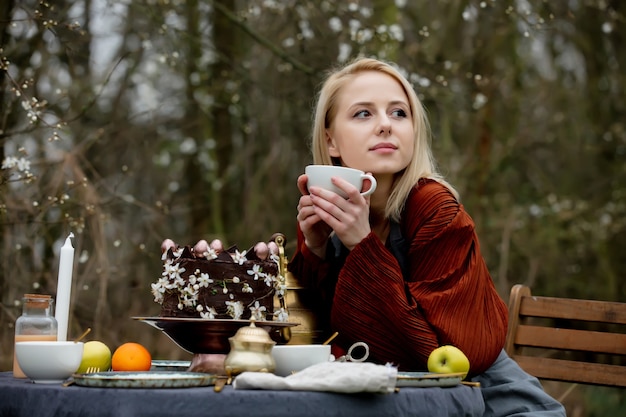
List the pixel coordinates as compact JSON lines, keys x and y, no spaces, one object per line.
{"x":20,"y":397}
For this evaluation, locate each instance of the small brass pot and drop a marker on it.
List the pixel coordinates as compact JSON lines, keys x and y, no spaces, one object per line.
{"x":250,"y":350}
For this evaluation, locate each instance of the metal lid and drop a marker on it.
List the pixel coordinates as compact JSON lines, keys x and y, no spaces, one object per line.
{"x":253,"y":334}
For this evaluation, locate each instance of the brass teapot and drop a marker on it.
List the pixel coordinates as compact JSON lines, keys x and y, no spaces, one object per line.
{"x":250,"y":350}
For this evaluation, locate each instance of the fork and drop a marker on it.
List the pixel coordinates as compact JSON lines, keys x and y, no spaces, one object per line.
{"x":89,"y":370}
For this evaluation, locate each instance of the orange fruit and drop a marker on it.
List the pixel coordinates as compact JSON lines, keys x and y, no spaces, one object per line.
{"x":131,"y":357}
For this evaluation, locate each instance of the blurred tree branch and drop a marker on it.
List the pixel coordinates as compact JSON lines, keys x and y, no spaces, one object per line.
{"x":261,"y":39}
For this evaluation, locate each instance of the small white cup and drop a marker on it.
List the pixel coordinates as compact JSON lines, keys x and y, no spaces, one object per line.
{"x":294,"y":358}
{"x":320,"y":175}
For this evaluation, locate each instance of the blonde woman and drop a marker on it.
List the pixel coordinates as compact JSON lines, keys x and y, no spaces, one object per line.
{"x":400,"y":269}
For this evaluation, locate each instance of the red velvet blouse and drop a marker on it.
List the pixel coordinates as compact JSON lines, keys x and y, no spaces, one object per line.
{"x":448,"y":297}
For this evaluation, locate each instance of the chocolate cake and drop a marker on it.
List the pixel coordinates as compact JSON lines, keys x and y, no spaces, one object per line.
{"x":226,"y":285}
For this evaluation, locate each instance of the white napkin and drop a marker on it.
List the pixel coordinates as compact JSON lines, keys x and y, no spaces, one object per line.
{"x":344,"y":377}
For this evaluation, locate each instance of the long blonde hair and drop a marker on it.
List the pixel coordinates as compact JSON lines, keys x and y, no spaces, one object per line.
{"x":422,"y":164}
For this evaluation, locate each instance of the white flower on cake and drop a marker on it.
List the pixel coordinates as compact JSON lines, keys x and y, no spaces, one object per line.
{"x":247,"y":288}
{"x":173,"y":270}
{"x":178,"y":282}
{"x":235,"y":309}
{"x":255,"y":271}
{"x":192,"y":280}
{"x":236,"y":280}
{"x":281,"y":315}
{"x":158,"y":289}
{"x":210,"y":254}
{"x":269,"y":279}
{"x":280,"y":289}
{"x":240,"y":257}
{"x":204,"y":280}
{"x":187,"y":301}
{"x":209,"y":314}
{"x":190,"y":291}
{"x":257,"y":311}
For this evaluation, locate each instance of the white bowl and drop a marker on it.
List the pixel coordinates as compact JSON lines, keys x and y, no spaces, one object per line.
{"x":294,"y":358}
{"x":49,"y":362}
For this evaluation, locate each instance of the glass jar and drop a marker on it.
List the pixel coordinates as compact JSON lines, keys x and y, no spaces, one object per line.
{"x":37,"y":322}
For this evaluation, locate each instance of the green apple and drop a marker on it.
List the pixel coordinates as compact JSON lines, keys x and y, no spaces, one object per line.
{"x":95,"y":355}
{"x":448,"y":359}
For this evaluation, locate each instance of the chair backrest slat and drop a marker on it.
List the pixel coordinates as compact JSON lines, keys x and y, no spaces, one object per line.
{"x":571,"y":339}
{"x":569,"y":371}
{"x":574,"y":309}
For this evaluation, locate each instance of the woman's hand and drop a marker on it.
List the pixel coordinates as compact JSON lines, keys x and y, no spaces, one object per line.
{"x":201,"y":247}
{"x":315,"y":231}
{"x":322,"y":211}
{"x":262,"y":250}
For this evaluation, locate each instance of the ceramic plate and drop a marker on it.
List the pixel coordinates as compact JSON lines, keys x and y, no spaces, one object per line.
{"x":427,"y":379}
{"x":160,"y":365}
{"x":147,"y":379}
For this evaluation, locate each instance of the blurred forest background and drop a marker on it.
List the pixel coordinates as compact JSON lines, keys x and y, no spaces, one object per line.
{"x":126,"y":122}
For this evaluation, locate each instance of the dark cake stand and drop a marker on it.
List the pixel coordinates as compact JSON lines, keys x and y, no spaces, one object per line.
{"x":207,"y":339}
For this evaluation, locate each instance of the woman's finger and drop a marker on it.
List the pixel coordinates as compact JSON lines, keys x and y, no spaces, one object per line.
{"x":262,"y":250}
{"x":302,"y":181}
{"x":167,"y":244}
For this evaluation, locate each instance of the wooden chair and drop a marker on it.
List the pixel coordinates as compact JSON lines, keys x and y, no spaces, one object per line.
{"x":569,"y":340}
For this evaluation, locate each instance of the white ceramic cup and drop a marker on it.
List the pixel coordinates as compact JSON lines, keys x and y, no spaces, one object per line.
{"x":320,"y":175}
{"x":294,"y":358}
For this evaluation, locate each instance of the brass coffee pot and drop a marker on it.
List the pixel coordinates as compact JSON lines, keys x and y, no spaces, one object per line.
{"x":250,"y":350}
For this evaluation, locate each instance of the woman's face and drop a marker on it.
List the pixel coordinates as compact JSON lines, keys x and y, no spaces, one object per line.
{"x":373,"y":129}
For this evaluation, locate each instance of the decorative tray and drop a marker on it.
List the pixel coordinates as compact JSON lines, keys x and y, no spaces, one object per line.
{"x":196,"y":335}
{"x":428,"y":379}
{"x":147,"y":379}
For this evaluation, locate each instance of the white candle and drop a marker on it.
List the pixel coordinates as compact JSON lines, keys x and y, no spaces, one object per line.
{"x":64,"y":287}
